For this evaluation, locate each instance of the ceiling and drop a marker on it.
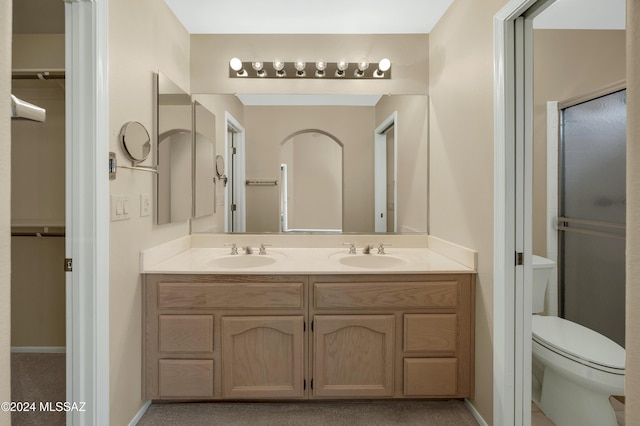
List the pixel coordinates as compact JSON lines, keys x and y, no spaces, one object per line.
{"x":325,"y":17}
{"x":367,"y":16}
{"x":309,"y":17}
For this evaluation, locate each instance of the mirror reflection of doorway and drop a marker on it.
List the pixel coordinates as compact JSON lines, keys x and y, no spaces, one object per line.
{"x":311,"y":190}
{"x":385,"y":175}
{"x":235,"y":207}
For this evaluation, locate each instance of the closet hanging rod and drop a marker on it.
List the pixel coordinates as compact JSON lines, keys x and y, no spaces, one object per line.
{"x":38,"y":74}
{"x":37,"y":231}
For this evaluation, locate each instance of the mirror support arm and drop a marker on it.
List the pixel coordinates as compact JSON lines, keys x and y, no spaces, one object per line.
{"x":113,"y":166}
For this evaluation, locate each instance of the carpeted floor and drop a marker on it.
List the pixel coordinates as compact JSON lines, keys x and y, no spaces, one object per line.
{"x":365,"y":413}
{"x":36,"y":378}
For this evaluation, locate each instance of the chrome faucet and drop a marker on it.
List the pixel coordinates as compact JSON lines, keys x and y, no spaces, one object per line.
{"x":234,"y":248}
{"x":381,"y":248}
{"x":247,"y":249}
{"x":263,"y":250}
{"x":352,"y":247}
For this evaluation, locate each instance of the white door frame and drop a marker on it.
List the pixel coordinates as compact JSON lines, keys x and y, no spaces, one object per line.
{"x":513,"y":185}
{"x":238,"y":174}
{"x":87,"y":207}
{"x":380,"y":173}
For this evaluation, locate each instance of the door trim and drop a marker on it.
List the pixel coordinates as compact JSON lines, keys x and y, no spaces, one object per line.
{"x":380,"y":173}
{"x":512,"y":221}
{"x":87,"y":207}
{"x":238,"y":174}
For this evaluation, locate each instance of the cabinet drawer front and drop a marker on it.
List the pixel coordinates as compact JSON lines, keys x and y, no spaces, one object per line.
{"x":430,"y":376}
{"x":186,"y":378}
{"x":186,"y":333}
{"x":230,"y":295}
{"x":431,"y":333}
{"x":441,"y":294}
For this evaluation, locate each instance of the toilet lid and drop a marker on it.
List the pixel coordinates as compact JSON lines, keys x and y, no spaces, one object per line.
{"x":576,"y":340}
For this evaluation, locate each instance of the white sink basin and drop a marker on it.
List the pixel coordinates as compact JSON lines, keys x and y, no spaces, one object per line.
{"x":241,"y":261}
{"x":371,"y":261}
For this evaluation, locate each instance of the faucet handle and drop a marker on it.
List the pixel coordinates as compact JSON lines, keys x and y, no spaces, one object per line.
{"x":234,"y":247}
{"x":381,"y":247}
{"x":352,"y":247}
{"x":262,"y":248}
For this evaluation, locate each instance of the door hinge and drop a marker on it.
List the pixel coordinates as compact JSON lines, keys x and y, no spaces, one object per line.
{"x":312,"y":325}
{"x":234,"y":207}
{"x":233,"y":150}
{"x":304,"y":326}
{"x":519,"y":259}
{"x":304,"y":384}
{"x":68,"y":265}
{"x":311,"y":383}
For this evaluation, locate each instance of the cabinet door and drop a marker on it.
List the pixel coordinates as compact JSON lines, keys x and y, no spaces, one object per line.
{"x":262,"y":357}
{"x":353,"y":355}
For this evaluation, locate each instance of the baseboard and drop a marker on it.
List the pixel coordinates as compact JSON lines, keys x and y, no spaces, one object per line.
{"x":39,"y":349}
{"x":475,"y":413}
{"x":140,"y":413}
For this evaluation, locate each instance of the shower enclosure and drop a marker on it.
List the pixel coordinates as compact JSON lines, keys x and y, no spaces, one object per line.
{"x":592,"y":214}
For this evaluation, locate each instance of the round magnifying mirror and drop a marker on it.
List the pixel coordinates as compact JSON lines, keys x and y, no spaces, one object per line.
{"x":219,"y":166}
{"x":135,"y":141}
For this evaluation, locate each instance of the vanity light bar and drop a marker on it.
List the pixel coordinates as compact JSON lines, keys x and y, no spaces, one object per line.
{"x":311,"y":70}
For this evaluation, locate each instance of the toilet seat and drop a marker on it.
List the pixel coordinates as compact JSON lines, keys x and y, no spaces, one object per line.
{"x":578,"y":343}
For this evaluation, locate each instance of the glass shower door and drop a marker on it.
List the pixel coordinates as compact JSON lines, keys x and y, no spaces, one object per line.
{"x":592,"y":214}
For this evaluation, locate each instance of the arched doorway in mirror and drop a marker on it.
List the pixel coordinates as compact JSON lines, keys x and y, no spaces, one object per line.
{"x":311,"y":174}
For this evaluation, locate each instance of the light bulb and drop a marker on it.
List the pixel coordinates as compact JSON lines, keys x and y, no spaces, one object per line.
{"x":257,"y":65}
{"x":235,"y":64}
{"x":278,"y":65}
{"x":341,"y":67}
{"x":300,"y":66}
{"x":362,"y":67}
{"x":384,"y":64}
{"x":321,"y":65}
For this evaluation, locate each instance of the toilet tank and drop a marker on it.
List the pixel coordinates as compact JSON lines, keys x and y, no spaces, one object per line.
{"x":542,"y":268}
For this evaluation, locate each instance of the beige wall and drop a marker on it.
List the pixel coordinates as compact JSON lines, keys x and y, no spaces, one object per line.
{"x":461,"y":157}
{"x":40,"y":52}
{"x":632,"y":409}
{"x":144,"y":37}
{"x":567,"y":64}
{"x":211,"y":54}
{"x":412,"y":133}
{"x":5,"y":206}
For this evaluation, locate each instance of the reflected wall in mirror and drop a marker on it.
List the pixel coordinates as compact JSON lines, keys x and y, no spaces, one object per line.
{"x":204,"y":163}
{"x":354,"y":125}
{"x":311,"y":182}
{"x":175,"y":168}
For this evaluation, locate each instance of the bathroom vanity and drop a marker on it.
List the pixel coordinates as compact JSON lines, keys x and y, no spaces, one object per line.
{"x":335,"y":331}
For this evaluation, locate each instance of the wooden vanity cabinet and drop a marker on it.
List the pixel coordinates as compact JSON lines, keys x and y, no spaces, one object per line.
{"x":402,"y":336}
{"x":210,"y":337}
{"x":224,"y":336}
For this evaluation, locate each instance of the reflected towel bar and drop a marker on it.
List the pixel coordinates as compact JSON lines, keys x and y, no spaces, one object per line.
{"x":262,"y":182}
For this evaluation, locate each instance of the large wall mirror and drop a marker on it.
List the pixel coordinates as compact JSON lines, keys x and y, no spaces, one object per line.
{"x":175,"y":163}
{"x":308,"y":163}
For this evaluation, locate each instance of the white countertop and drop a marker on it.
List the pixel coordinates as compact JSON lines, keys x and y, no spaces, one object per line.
{"x":326,"y":260}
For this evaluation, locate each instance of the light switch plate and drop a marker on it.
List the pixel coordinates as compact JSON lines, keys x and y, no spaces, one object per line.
{"x":145,"y":205}
{"x":120,"y":207}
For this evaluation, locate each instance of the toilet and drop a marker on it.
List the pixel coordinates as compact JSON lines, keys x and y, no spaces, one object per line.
{"x":575,"y":369}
